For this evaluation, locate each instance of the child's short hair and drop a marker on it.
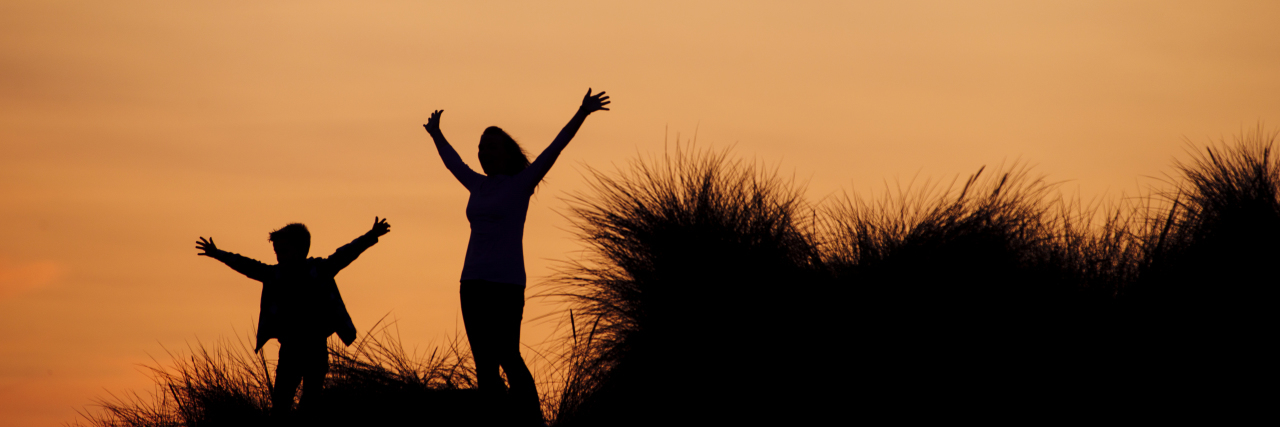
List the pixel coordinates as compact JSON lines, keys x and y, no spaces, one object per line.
{"x":292,"y":234}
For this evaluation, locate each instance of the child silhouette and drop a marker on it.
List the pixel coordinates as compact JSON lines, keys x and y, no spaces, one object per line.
{"x":300,"y":305}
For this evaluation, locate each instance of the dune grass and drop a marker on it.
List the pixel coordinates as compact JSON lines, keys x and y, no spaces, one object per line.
{"x":992,"y":293}
{"x":712,"y":292}
{"x":692,"y":253}
{"x":228,"y":382}
{"x":1203,"y":305}
{"x":373,"y":381}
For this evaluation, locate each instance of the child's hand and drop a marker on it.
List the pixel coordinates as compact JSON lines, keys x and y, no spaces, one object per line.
{"x":207,"y":246}
{"x":380,"y":227}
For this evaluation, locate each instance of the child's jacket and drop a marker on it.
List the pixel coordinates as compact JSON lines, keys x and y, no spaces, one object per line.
{"x":303,"y":301}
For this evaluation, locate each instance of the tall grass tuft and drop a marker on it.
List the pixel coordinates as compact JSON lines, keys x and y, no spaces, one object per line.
{"x":228,"y":384}
{"x":1204,"y":304}
{"x":693,"y":258}
{"x":949,"y":287}
{"x":375,"y":381}
{"x":1224,"y":220}
{"x":978,"y":241}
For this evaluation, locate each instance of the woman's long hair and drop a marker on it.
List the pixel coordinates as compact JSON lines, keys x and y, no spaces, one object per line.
{"x":516,"y":158}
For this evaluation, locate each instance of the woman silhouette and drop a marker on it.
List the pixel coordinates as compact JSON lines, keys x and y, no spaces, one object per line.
{"x":493,"y":276}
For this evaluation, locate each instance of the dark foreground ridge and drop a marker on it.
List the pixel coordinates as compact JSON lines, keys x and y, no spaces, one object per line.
{"x":713,"y":293}
{"x":372,"y":382}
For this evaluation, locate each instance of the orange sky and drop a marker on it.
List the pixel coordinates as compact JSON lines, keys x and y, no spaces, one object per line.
{"x":128,"y":130}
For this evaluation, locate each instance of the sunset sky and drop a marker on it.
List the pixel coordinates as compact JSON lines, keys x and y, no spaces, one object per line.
{"x":130,"y":129}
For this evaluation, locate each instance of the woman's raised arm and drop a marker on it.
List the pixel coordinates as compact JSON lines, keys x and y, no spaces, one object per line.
{"x":540,"y":166}
{"x":463,"y":173}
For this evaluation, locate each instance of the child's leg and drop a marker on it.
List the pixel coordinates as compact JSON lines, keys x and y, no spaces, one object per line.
{"x":315,"y":367}
{"x":288,"y":376}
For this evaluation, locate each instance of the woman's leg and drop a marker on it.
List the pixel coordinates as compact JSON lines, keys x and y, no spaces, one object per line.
{"x":492,"y":313}
{"x":477,"y":319}
{"x":508,"y":313}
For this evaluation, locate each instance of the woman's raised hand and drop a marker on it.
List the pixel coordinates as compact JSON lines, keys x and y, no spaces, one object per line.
{"x":433,"y":123}
{"x":592,"y":103}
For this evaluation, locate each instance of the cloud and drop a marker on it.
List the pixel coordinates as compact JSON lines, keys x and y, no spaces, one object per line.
{"x":17,"y":278}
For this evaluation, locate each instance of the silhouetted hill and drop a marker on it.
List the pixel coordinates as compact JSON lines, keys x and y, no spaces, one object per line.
{"x":713,"y":274}
{"x":713,"y":293}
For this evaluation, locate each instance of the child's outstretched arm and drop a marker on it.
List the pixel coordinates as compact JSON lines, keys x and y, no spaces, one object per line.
{"x":343,"y":257}
{"x":250,"y":267}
